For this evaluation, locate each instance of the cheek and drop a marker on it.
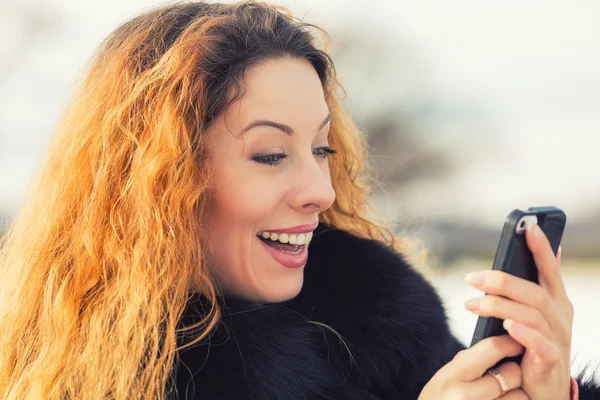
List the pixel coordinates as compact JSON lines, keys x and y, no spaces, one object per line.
{"x":246,"y":203}
{"x":240,"y":205}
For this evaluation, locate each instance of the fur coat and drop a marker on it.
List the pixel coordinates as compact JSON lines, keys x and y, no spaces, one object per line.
{"x":365,"y":325}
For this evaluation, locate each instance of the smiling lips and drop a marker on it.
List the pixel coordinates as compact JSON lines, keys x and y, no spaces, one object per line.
{"x":289,"y":246}
{"x":284,"y":257}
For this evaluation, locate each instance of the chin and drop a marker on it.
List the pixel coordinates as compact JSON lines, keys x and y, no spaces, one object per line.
{"x":283,"y":291}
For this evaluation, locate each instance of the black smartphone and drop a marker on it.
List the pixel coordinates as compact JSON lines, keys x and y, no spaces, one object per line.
{"x":513,"y":256}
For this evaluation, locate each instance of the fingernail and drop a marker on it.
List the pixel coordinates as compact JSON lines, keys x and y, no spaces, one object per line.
{"x":475,"y":278}
{"x":529,"y":227}
{"x":507,"y":323}
{"x":537,"y":231}
{"x":559,"y":253}
{"x":473,"y":304}
{"x":533,"y":228}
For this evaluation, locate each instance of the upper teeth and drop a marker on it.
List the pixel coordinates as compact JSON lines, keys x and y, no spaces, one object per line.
{"x":288,"y":237}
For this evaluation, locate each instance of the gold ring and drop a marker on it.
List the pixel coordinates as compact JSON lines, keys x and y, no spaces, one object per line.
{"x":503,"y":387}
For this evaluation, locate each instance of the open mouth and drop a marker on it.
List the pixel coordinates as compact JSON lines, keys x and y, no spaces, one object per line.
{"x":286,"y":247}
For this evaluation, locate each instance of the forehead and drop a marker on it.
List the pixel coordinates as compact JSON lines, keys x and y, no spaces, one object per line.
{"x":287,"y":91}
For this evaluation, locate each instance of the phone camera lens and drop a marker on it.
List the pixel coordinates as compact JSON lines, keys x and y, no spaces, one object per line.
{"x":522,"y":224}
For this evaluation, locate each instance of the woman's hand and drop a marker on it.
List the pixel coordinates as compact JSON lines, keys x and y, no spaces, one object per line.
{"x":540,"y":317}
{"x":462,"y":377}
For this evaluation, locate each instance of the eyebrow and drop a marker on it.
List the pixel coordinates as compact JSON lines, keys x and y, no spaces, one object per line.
{"x":288,"y":130}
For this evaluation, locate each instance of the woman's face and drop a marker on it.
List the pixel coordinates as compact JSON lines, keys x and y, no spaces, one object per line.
{"x":270,"y":184}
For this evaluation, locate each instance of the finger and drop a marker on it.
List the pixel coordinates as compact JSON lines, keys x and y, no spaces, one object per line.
{"x":503,"y":308}
{"x":488,"y":385}
{"x":471,"y":363}
{"x":545,"y":260}
{"x":516,"y":394}
{"x":545,"y":352}
{"x":522,"y":291}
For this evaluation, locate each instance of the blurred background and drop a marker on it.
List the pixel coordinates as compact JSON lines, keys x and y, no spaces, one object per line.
{"x":472,"y":109}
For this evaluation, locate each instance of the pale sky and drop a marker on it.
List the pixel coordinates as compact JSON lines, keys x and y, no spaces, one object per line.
{"x":530,"y":67}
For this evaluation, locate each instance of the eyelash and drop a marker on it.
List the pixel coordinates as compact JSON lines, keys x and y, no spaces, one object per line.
{"x":274,"y":159}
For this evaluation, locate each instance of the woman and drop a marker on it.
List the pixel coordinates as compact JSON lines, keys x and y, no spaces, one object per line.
{"x":164,"y":252}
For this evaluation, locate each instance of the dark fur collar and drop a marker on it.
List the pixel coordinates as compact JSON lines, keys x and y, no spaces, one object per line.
{"x":392,"y":321}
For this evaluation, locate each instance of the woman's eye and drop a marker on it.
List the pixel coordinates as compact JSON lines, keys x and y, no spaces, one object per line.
{"x":270,"y":159}
{"x":274,"y":159}
{"x":323,"y":151}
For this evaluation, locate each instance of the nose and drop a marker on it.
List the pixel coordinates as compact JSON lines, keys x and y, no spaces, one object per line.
{"x":312,"y":190}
